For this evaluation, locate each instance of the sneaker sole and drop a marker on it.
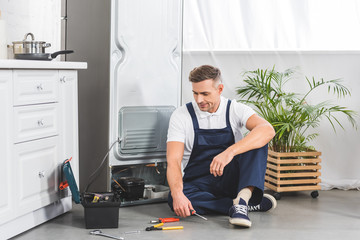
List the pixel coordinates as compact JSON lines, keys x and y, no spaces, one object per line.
{"x":240,"y":222}
{"x":273,"y":201}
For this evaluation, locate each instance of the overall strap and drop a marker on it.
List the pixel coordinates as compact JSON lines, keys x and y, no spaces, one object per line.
{"x":192,"y":114}
{"x":228,"y":113}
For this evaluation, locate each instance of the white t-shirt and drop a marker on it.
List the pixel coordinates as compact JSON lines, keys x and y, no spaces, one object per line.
{"x":181,"y":127}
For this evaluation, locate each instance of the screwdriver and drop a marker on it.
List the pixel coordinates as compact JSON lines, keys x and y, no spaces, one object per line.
{"x":194,"y":213}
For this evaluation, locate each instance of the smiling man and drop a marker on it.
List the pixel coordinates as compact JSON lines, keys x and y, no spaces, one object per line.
{"x":212,"y":168}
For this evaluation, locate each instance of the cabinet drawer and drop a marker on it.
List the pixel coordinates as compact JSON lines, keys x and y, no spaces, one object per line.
{"x":32,"y":86}
{"x":37,"y":173}
{"x":35,"y":121}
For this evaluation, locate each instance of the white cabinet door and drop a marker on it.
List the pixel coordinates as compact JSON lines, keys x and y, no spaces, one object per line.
{"x":6,"y":167}
{"x":36,"y":178}
{"x":68,"y":95}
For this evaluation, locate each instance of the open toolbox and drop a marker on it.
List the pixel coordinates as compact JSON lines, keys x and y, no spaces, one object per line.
{"x":101,"y":210}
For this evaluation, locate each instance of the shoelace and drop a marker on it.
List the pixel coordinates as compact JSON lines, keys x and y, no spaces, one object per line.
{"x":241,"y":209}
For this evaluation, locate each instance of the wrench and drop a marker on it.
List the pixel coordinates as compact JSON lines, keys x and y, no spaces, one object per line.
{"x":100,"y":233}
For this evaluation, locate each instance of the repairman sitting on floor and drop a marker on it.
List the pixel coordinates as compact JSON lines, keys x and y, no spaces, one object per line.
{"x":211,"y":166}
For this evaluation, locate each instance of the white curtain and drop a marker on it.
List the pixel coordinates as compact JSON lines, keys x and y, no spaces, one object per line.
{"x":319,"y":37}
{"x":271,"y":25}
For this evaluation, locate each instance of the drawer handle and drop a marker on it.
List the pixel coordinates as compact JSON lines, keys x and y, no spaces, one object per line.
{"x":40,"y":87}
{"x":41,"y":174}
{"x":40,"y":123}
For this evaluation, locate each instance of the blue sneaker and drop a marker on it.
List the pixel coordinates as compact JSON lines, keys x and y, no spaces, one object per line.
{"x":268,"y":203}
{"x":239,"y":214}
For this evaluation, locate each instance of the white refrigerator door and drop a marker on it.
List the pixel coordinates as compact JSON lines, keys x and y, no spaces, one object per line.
{"x":145,"y":65}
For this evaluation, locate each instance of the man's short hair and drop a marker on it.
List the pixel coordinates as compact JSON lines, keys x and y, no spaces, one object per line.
{"x":204,"y":72}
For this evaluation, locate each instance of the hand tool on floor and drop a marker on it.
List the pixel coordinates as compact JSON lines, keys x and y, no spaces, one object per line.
{"x":100,"y":233}
{"x":131,"y":232}
{"x":165,"y":220}
{"x":194,"y":213}
{"x":158,"y":227}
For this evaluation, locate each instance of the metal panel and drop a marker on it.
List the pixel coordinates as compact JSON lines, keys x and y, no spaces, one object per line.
{"x":149,"y":74}
{"x":63,"y":27}
{"x":143,"y":131}
{"x":145,"y":68}
{"x":88,"y":34}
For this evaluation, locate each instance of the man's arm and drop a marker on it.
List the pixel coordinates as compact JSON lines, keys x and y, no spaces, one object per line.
{"x":261,"y":132}
{"x":174,"y":155}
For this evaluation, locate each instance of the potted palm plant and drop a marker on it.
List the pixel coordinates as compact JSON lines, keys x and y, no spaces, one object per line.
{"x":293,"y":164}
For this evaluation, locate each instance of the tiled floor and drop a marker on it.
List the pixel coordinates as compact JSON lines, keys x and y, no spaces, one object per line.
{"x":334,"y":215}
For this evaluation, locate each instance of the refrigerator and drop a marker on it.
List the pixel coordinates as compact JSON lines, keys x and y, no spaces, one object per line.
{"x":132,"y":85}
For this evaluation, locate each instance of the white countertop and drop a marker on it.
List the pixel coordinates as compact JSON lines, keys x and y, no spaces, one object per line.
{"x":31,"y":64}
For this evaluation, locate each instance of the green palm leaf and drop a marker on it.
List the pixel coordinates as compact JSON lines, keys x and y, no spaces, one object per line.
{"x":290,"y":113}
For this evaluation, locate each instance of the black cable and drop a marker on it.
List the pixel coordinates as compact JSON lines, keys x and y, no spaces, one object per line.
{"x":96,"y":173}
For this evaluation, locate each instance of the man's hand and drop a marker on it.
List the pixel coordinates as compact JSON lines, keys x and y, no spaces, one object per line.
{"x":181,"y":205}
{"x":220,"y":161}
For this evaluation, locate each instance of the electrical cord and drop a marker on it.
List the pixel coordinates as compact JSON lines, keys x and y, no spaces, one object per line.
{"x":96,"y":173}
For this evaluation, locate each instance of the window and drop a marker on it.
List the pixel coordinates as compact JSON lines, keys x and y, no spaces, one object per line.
{"x":229,"y":25}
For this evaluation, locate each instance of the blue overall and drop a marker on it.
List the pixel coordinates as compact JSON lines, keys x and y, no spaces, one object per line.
{"x":209,"y":194}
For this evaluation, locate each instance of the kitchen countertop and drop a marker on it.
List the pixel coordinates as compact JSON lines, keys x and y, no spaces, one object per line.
{"x":31,"y":64}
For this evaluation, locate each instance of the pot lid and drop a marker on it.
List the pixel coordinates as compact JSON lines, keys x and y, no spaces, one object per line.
{"x":29,"y":42}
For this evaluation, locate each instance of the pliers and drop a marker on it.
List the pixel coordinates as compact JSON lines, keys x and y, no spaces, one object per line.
{"x":158,"y":227}
{"x":165,"y":220}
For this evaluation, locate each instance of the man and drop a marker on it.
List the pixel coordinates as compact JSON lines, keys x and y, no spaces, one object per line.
{"x":223,"y":171}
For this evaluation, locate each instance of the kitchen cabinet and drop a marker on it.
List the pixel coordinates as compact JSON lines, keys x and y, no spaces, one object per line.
{"x":6,"y":205}
{"x":38,"y":131}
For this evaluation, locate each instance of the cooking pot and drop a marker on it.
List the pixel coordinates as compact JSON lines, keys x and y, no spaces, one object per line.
{"x":34,"y":50}
{"x":25,"y":46}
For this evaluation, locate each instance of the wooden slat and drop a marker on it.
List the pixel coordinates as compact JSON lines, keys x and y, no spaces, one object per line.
{"x":299,"y":181}
{"x":298,"y":188}
{"x":306,"y":174}
{"x":294,"y":168}
{"x":292,"y":189}
{"x":292,"y":175}
{"x":272,"y":187}
{"x":271,"y":173}
{"x":293,"y":154}
{"x":293,"y":161}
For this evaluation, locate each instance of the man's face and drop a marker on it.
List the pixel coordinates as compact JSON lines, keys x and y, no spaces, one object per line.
{"x":207,"y":95}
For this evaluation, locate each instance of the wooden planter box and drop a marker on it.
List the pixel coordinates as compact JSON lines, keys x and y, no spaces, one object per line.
{"x":293,"y":171}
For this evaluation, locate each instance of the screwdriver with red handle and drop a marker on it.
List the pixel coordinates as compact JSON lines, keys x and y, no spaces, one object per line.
{"x":193,"y":212}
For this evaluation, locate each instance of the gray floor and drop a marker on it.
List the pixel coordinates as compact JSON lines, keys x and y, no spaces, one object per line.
{"x":334,"y":215}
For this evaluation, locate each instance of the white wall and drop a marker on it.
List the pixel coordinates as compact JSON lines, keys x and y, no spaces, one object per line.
{"x":341,"y":150}
{"x":41,"y":17}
